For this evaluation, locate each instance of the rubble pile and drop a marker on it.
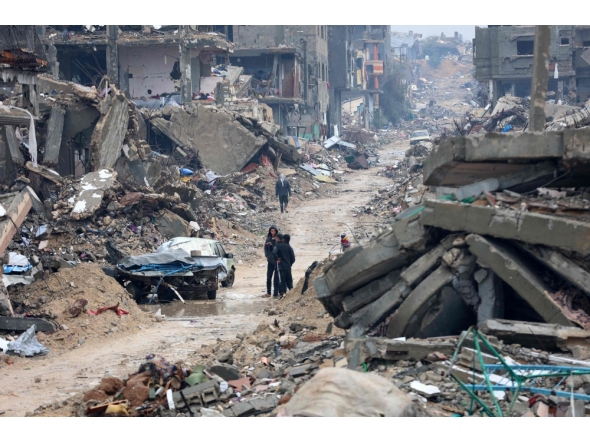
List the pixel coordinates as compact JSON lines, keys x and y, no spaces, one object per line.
{"x":497,"y":244}
{"x":61,"y":307}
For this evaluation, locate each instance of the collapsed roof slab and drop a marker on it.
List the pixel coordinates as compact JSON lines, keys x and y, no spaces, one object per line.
{"x":550,"y":337}
{"x":224,"y":145}
{"x":530,"y":228}
{"x":510,"y":267}
{"x":109,"y":133}
{"x":419,"y":297}
{"x":461,"y":161}
{"x":360,"y":265}
{"x":93,"y":186}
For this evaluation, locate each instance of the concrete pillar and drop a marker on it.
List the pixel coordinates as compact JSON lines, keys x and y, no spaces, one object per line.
{"x":52,"y":61}
{"x":540,"y":78}
{"x":186,"y":85}
{"x":113,"y":54}
{"x":513,"y":89}
{"x":195,"y":70}
{"x":560,"y":90}
{"x":54,"y":135}
{"x":490,"y":294}
{"x":13,"y":146}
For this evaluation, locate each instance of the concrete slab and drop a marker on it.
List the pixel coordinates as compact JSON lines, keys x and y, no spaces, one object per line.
{"x":93,"y":186}
{"x":423,"y":265}
{"x":13,"y":146}
{"x":397,"y":350}
{"x":491,"y":295}
{"x":109,"y":133}
{"x":171,"y":225}
{"x":370,"y":315}
{"x":361,"y":265}
{"x":224,"y":145}
{"x":416,"y":299}
{"x":549,"y":337}
{"x":531,"y":228}
{"x":370,"y":292}
{"x":55,"y":128}
{"x":16,"y":213}
{"x":509,"y":266}
{"x":561,"y":265}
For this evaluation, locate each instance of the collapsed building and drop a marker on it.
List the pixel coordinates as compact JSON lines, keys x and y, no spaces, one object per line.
{"x":286,"y":68}
{"x":503,"y":58}
{"x":359,"y":58}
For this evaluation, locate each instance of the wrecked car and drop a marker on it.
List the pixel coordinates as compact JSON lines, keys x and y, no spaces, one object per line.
{"x":180,"y":268}
{"x":208,"y":248}
{"x":419,"y":136}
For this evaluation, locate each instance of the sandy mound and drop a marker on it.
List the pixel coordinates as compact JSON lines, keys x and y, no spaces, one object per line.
{"x":446,"y":69}
{"x":296,"y":305}
{"x":53,"y":297}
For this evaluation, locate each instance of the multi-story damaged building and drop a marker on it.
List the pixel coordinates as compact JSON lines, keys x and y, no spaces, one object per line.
{"x":503,"y":58}
{"x":22,"y":58}
{"x":360,"y":57}
{"x":286,"y":67}
{"x":142,"y":61}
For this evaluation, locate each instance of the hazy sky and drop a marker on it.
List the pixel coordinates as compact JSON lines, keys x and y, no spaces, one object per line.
{"x":426,"y":30}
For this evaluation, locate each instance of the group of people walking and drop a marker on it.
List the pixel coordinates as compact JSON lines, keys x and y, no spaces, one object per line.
{"x":280,"y":257}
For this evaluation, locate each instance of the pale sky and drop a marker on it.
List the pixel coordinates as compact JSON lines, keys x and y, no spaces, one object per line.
{"x":468,"y":31}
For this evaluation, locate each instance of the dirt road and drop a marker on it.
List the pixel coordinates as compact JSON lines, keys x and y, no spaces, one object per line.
{"x":314,"y":226}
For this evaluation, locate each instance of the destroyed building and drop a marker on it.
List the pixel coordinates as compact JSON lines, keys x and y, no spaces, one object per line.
{"x":359,"y":57}
{"x":286,"y":67}
{"x":503,"y":58}
{"x":144,"y":62}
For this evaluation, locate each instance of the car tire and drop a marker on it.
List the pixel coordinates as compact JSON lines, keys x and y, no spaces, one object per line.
{"x":136,"y":291}
{"x":229,"y":280}
{"x":212,"y":295}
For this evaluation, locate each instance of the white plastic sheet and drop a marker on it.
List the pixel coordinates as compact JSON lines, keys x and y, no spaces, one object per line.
{"x":27,"y":344}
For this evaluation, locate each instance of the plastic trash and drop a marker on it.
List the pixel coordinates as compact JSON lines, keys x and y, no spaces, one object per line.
{"x":186,"y":172}
{"x":27,"y":344}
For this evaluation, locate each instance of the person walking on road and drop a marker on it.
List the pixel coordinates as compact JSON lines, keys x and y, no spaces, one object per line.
{"x":288,"y":275}
{"x":282,"y":255}
{"x":272,"y":274}
{"x":283,"y":190}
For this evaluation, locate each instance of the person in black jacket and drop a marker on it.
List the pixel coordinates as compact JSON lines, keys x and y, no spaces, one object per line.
{"x":282,"y":255}
{"x":288,"y":275}
{"x":271,"y":267}
{"x":283,"y":190}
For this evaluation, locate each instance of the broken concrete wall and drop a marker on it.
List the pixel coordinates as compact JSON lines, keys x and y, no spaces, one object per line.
{"x":55,"y":128}
{"x":148,"y":69}
{"x":224,"y":145}
{"x":80,"y":119}
{"x":109,"y":133}
{"x":6,"y":165}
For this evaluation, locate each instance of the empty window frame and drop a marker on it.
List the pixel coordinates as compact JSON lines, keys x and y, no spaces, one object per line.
{"x":525,"y":47}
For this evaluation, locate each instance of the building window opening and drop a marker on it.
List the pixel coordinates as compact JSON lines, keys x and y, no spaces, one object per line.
{"x":586,"y":43}
{"x":525,"y":47}
{"x":565,"y":42}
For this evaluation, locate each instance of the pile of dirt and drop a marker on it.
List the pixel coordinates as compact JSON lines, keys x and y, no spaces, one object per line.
{"x":305,"y":308}
{"x":446,"y":68}
{"x":60,"y":298}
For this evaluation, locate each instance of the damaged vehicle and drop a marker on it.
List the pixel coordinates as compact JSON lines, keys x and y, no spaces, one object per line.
{"x":180,"y":268}
{"x":420,"y":136}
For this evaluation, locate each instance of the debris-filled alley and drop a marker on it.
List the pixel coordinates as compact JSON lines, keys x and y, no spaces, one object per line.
{"x":436,"y":264}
